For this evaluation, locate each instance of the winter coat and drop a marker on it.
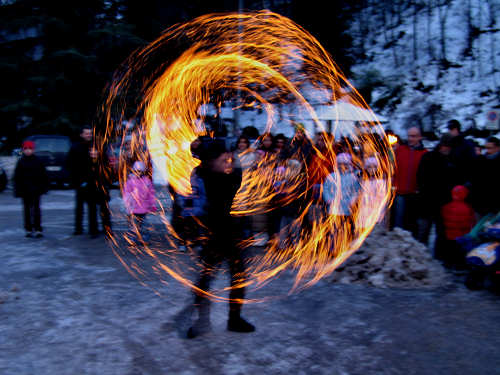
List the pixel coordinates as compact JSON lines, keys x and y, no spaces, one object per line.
{"x":220,"y":190}
{"x":96,"y":184}
{"x":350,"y":188}
{"x":372,"y":190}
{"x":30,"y":177}
{"x":485,"y":196}
{"x":139,"y":195}
{"x":458,"y":216}
{"x":246,"y":160}
{"x":407,"y":162}
{"x":320,"y":167}
{"x":195,"y":203}
{"x":79,"y":164}
{"x":436,"y":176}
{"x":463,"y":156}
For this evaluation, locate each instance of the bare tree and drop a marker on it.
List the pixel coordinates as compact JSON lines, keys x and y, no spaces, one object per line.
{"x":443,"y":10}
{"x":478,"y":34}
{"x":492,"y":28}
{"x":415,"y":6}
{"x":430,"y":49}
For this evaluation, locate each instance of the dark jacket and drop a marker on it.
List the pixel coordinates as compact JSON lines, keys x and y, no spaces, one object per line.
{"x":220,"y":189}
{"x":436,"y":177}
{"x":485,"y":189}
{"x":30,"y":177}
{"x":78,"y":164}
{"x":97,"y":184}
{"x":463,"y":156}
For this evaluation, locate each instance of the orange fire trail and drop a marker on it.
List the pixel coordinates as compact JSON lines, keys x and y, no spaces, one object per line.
{"x":260,"y":60}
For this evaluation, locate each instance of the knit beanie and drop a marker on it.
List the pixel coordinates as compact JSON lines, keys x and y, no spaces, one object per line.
{"x":29,"y":144}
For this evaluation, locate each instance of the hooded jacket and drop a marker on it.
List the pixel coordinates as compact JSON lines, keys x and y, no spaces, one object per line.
{"x":458,"y":216}
{"x":139,"y":195}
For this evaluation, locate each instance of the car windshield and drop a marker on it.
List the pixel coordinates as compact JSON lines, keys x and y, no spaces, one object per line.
{"x":52,"y":145}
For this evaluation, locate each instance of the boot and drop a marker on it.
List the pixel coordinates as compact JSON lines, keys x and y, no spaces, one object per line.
{"x":236,"y":323}
{"x":202,"y":325}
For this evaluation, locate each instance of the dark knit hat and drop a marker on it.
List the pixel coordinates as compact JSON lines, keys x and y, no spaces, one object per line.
{"x":211,"y":149}
{"x":446,"y":140}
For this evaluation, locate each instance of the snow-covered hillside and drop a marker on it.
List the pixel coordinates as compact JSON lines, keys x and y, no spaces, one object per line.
{"x":427,"y":61}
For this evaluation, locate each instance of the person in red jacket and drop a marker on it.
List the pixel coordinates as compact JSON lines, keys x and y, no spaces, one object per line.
{"x":458,"y":218}
{"x":405,"y":181}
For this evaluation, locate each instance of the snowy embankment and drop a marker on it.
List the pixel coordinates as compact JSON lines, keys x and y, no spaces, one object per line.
{"x":392,"y":259}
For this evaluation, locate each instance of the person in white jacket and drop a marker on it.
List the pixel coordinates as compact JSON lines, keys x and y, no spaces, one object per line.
{"x":340,"y":192}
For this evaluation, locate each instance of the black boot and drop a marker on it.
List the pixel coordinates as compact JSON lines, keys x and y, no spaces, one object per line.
{"x":236,"y":323}
{"x":202,"y":325}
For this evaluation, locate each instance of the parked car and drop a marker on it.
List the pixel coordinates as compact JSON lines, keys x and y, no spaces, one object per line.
{"x":3,"y":179}
{"x":53,"y":151}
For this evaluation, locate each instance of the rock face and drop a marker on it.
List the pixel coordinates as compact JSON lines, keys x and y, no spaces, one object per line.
{"x":392,"y":259}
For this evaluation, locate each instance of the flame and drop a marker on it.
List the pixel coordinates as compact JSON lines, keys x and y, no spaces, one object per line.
{"x":392,"y":139}
{"x":265,"y":61}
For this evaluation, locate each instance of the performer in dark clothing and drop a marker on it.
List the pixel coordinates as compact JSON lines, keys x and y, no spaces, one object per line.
{"x":221,"y":182}
{"x":30,"y":182}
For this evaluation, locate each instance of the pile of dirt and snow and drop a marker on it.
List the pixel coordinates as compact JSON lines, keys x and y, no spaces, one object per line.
{"x":392,"y":259}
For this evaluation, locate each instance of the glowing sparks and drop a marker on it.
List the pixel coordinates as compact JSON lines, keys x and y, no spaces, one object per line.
{"x":392,"y":139}
{"x":265,"y":61}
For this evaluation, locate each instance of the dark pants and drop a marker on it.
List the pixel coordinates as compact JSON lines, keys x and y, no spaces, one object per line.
{"x":93,"y":204}
{"x":213,"y":253}
{"x":32,"y":214}
{"x":405,"y":212}
{"x":82,"y":197}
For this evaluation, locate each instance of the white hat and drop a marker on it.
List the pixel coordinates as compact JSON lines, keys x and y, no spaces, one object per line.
{"x":371,"y":162}
{"x":139,"y":166}
{"x":344,"y":158}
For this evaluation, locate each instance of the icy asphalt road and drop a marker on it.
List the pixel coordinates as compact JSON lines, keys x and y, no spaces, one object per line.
{"x":67,"y":306}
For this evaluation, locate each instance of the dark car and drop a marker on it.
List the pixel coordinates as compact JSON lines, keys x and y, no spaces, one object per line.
{"x":53,"y":150}
{"x":3,"y":179}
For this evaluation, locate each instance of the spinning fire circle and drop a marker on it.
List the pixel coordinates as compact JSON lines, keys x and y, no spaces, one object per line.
{"x":264,"y":62}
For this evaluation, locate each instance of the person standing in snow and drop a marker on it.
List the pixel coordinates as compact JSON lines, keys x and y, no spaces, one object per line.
{"x":405,"y":206}
{"x":79,"y":165}
{"x":485,"y":197}
{"x":30,"y":182}
{"x":436,"y":176}
{"x":458,"y":219}
{"x":348,"y":186}
{"x":462,"y":153}
{"x":139,"y":197}
{"x":221,"y":180}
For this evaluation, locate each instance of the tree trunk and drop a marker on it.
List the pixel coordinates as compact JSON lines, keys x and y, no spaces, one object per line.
{"x":415,"y":44}
{"x":430,"y":50}
{"x":442,"y":27}
{"x":478,"y":42}
{"x":491,"y":25}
